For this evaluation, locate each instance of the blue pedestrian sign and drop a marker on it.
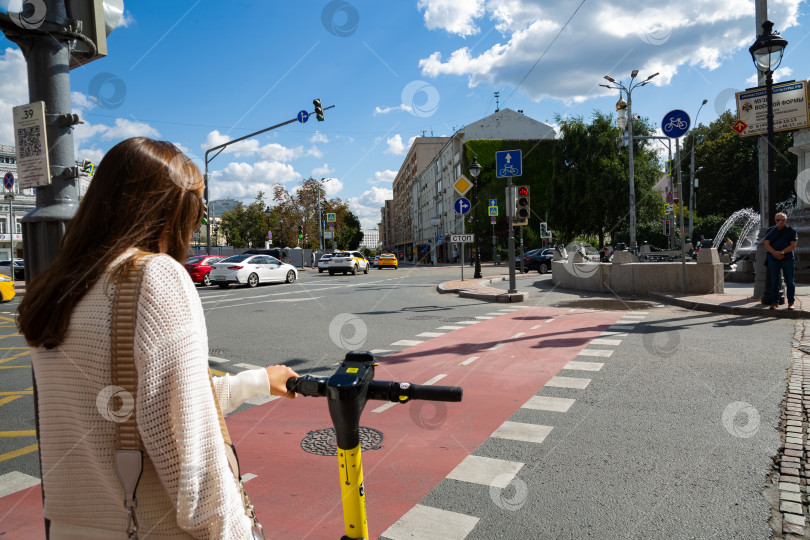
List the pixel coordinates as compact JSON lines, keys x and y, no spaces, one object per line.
{"x":675,"y":123}
{"x":508,"y":163}
{"x":8,"y":180}
{"x":462,"y":205}
{"x":303,"y":116}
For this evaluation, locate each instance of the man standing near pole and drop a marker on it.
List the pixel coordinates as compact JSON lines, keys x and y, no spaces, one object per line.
{"x":780,"y":241}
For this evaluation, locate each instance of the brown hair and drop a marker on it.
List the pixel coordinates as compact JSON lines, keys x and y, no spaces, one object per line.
{"x":145,"y":194}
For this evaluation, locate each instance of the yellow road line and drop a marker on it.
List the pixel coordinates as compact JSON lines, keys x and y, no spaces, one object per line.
{"x":216,"y":372}
{"x":20,"y":452}
{"x":18,"y":393}
{"x":4,"y":360}
{"x":11,"y":348}
{"x":16,"y":367}
{"x":10,"y":335}
{"x":9,"y":319}
{"x":9,"y":399}
{"x":26,"y":433}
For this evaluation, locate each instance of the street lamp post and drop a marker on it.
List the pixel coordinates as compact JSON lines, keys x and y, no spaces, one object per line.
{"x":629,"y":91}
{"x":767,"y":53}
{"x":692,"y":182}
{"x":475,"y":171}
{"x":268,"y":212}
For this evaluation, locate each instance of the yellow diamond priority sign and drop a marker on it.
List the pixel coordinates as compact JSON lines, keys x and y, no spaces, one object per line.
{"x":462,"y":185}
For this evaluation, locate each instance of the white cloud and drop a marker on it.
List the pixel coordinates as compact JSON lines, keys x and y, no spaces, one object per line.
{"x":367,"y":206}
{"x":124,"y":129}
{"x":396,"y":146}
{"x":454,"y":16}
{"x":243,"y":180}
{"x":126,"y":20}
{"x":383,"y":177}
{"x":181,"y":147}
{"x":249,"y":147}
{"x":278,"y":152}
{"x":318,"y":137}
{"x":665,"y":38}
{"x":321,"y":171}
{"x":332,"y":186}
{"x":386,"y":110}
{"x":93,"y":154}
{"x":315,"y":152}
{"x":80,"y":103}
{"x":13,"y":90}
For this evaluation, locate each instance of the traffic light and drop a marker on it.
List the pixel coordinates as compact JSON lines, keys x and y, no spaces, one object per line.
{"x":300,"y":231}
{"x":667,"y":227}
{"x":522,"y":209}
{"x":205,"y":215}
{"x":96,"y":19}
{"x":543,"y":229}
{"x":318,"y":109}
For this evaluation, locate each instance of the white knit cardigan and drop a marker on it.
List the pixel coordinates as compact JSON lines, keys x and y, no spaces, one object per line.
{"x":187,"y":487}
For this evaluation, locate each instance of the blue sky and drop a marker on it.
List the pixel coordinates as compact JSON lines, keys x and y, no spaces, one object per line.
{"x":199,"y":72}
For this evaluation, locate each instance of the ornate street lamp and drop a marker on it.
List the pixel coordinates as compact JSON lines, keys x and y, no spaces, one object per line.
{"x":268,"y":213}
{"x":767,"y":53}
{"x":475,"y":171}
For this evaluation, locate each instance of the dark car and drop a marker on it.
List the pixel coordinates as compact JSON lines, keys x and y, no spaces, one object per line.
{"x":525,"y":254}
{"x":538,"y":259}
{"x":19,"y":269}
{"x":199,"y":268}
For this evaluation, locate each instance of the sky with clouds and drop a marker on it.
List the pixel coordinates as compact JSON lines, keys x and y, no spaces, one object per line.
{"x":200,"y":74}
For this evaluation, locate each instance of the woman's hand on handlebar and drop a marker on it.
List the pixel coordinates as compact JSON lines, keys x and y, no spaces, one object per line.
{"x":278,"y":376}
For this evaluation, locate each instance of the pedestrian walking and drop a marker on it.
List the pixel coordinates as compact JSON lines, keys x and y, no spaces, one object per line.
{"x":314,"y":258}
{"x":780,"y":241}
{"x":118,"y":344}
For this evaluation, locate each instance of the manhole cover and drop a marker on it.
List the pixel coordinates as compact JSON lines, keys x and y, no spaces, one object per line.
{"x":609,"y":304}
{"x":457,"y":319}
{"x":322,"y":442}
{"x":422,"y":317}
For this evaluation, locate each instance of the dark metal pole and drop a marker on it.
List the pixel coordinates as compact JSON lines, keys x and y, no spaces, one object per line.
{"x":477,"y":274}
{"x":770,"y":210}
{"x":510,"y":208}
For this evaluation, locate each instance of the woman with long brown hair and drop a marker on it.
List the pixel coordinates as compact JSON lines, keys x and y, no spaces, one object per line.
{"x":145,"y":199}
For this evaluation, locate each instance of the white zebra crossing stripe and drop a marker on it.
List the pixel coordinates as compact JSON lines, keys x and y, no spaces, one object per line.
{"x":485,"y":471}
{"x":406,"y":343}
{"x":450,"y":328}
{"x":217,"y":360}
{"x":16,"y":481}
{"x":430,"y":334}
{"x":248,"y":366}
{"x":583,"y":366}
{"x":603,"y":341}
{"x":568,"y":382}
{"x":518,"y":431}
{"x":428,"y":523}
{"x":604,"y":353}
{"x":546,"y":403}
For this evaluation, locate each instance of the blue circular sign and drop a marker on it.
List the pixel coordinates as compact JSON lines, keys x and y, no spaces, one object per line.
{"x":303,"y":116}
{"x":675,"y":123}
{"x":8,"y":180}
{"x":462,"y":205}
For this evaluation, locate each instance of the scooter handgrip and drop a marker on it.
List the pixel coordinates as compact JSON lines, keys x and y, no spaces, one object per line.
{"x":307,"y":385}
{"x":436,"y":393}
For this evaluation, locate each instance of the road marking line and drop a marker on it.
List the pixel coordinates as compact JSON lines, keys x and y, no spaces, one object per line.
{"x":16,"y":367}
{"x":518,"y":335}
{"x":383,"y":408}
{"x":218,"y":360}
{"x":248,"y":476}
{"x":381,"y":351}
{"x":450,"y":328}
{"x":549,"y":320}
{"x":603,"y":341}
{"x":406,"y":343}
{"x":469,"y":361}
{"x":20,"y":452}
{"x":9,"y":319}
{"x":604,"y":353}
{"x":495,"y":314}
{"x":583,"y":366}
{"x":535,"y":327}
{"x":16,"y":481}
{"x":518,"y":431}
{"x":613,"y":334}
{"x":21,"y":392}
{"x":484,"y":317}
{"x":430,"y":334}
{"x":426,"y":522}
{"x":24,"y":433}
{"x":435,"y":379}
{"x":546,"y":403}
{"x":496,"y":346}
{"x":11,"y":348}
{"x":9,"y":399}
{"x":248,"y":366}
{"x":468,"y":322}
{"x":568,"y":382}
{"x":485,"y":471}
{"x":217,"y":372}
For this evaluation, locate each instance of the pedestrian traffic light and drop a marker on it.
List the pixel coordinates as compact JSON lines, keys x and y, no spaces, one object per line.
{"x":543,"y":230}
{"x":667,"y":227}
{"x":318,"y":109}
{"x":522,"y":209}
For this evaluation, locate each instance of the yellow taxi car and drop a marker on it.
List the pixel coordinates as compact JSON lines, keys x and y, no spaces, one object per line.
{"x":389,"y":260}
{"x":6,"y":288}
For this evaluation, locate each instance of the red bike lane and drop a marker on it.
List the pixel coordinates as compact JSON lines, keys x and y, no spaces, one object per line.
{"x":297,"y":494}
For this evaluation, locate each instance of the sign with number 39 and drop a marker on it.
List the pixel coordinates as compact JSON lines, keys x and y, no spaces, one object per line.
{"x":31,"y":142}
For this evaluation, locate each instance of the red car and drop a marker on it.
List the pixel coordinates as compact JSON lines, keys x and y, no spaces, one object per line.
{"x":199,"y":268}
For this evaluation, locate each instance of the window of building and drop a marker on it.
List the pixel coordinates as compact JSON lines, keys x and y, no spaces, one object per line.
{"x":18,"y":229}
{"x":3,"y":227}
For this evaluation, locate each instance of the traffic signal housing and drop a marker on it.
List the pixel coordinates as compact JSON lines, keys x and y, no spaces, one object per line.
{"x":300,"y":231}
{"x":95,"y":19}
{"x":318,"y":109}
{"x":522,"y":209}
{"x":667,"y":227}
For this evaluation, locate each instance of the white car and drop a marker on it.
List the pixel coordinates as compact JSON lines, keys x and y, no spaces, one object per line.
{"x":348,"y":261}
{"x":323,"y":262}
{"x":252,"y":270}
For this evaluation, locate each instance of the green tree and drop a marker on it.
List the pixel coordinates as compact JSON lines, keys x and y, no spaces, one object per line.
{"x":246,"y":226}
{"x":729,"y":179}
{"x":349,"y":234}
{"x":590,"y":188}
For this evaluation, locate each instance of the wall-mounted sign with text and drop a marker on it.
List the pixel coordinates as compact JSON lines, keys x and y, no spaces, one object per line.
{"x":789,"y":108}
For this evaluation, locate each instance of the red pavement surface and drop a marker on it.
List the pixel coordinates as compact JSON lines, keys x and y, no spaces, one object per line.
{"x":297,"y":494}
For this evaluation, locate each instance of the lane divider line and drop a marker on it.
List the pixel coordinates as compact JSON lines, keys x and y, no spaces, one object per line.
{"x":547,"y":403}
{"x":469,"y":361}
{"x":604,"y":353}
{"x":568,"y":382}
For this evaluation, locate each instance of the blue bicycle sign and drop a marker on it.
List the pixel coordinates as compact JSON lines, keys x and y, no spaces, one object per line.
{"x":675,"y":123}
{"x":508,"y":163}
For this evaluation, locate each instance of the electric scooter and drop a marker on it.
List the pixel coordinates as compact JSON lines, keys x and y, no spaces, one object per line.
{"x":347,"y":392}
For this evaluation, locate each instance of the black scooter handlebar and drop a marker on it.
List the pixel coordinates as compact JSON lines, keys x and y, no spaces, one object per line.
{"x":397,"y":392}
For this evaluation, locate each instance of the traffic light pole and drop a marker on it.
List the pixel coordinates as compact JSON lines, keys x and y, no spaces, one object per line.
{"x":510,"y":205}
{"x":219,"y":150}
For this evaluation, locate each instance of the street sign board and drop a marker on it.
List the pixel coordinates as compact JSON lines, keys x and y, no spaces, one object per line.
{"x":675,"y":123}
{"x":493,"y":202}
{"x":462,"y":238}
{"x":493,"y":210}
{"x":327,"y":235}
{"x":8,"y":180}
{"x":462,"y":185}
{"x":667,"y":208}
{"x":669,"y":196}
{"x":435,"y":221}
{"x":303,"y":116}
{"x":462,"y":205}
{"x":508,"y":163}
{"x":789,"y":109}
{"x":33,"y":168}
{"x":494,"y":220}
{"x":330,"y":217}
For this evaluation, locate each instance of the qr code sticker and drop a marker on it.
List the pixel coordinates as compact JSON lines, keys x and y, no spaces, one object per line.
{"x":28,"y":140}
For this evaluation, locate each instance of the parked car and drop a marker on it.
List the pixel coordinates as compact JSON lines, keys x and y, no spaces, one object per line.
{"x":19,"y":269}
{"x":199,"y":267}
{"x":525,"y":254}
{"x":388,"y":260}
{"x":539,"y":259}
{"x":252,"y":270}
{"x":6,"y":289}
{"x":323,"y":262}
{"x":348,"y":261}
